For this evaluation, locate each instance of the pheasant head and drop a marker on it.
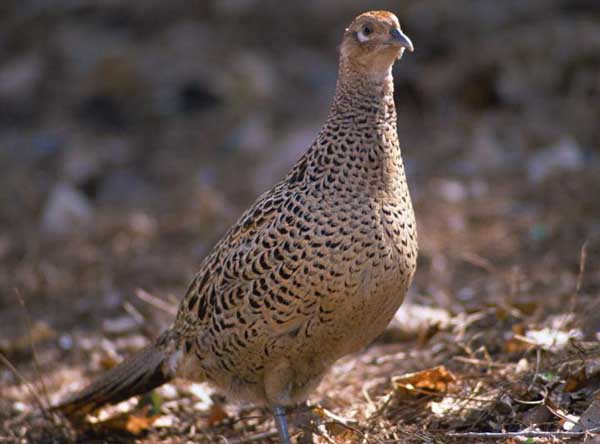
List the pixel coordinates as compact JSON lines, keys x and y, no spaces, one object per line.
{"x":371,"y":44}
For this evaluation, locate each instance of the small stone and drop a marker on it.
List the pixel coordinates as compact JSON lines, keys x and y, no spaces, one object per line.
{"x":566,"y":155}
{"x":142,"y":224}
{"x":252,"y":136}
{"x":452,"y":190}
{"x":123,"y":187}
{"x":67,"y":210}
{"x":168,"y":391}
{"x":80,"y":165}
{"x":19,"y":79}
{"x":119,"y":326}
{"x":65,"y":342}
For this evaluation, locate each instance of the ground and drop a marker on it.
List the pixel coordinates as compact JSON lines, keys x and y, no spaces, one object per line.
{"x":133,"y":134}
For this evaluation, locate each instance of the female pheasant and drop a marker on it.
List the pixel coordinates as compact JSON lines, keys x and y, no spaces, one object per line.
{"x":314,"y":270}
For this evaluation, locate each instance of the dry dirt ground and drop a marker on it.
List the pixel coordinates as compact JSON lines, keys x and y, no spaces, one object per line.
{"x":133,"y":134}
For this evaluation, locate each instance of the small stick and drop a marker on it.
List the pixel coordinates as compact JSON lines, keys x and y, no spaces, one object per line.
{"x":134,"y":313}
{"x":255,"y":438}
{"x":480,"y":262}
{"x":582,"y":262}
{"x":481,"y":362}
{"x":335,"y":418}
{"x":24,"y":381}
{"x":155,"y":302}
{"x":36,"y":362}
{"x":524,"y":434}
{"x":538,"y":360}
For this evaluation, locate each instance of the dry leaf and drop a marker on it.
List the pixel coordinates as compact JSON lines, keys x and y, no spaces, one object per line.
{"x":337,"y":427}
{"x":516,"y":345}
{"x":575,"y":381}
{"x":132,"y":422}
{"x":436,"y":379}
{"x":216,"y":414}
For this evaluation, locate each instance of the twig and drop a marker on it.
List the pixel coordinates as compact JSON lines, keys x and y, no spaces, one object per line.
{"x":347,"y":425}
{"x":524,"y":434}
{"x":255,"y":438}
{"x":155,"y":302}
{"x":480,"y":262}
{"x":24,"y":381}
{"x":582,"y":262}
{"x":481,"y":362}
{"x":538,"y":360}
{"x":526,"y":340}
{"x":347,"y":422}
{"x":36,"y":362}
{"x":134,"y":313}
{"x":235,"y":420}
{"x":558,"y":413}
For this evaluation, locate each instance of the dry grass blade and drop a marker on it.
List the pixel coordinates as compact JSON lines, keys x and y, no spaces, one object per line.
{"x":25,"y":382}
{"x":36,"y":362}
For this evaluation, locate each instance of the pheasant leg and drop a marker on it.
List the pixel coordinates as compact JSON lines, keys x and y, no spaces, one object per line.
{"x":282,"y":424}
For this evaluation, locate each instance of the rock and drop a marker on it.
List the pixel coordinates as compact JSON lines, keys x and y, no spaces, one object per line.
{"x":79,"y":165}
{"x":487,"y":153}
{"x":20,"y":78}
{"x":65,"y":342}
{"x":87,"y":157}
{"x":235,"y":7}
{"x":67,"y":210}
{"x":566,"y":155}
{"x":451,"y":190}
{"x":254,"y":78}
{"x":123,"y":187}
{"x":252,"y":136}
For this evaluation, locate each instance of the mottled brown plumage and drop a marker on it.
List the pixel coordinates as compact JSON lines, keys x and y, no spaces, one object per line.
{"x":314,"y":270}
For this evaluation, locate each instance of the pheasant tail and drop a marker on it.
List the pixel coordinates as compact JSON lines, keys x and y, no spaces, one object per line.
{"x":136,"y":375}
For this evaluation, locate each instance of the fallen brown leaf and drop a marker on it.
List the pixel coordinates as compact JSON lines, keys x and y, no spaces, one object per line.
{"x":133,"y":422}
{"x":435,"y":379}
{"x":216,"y":414}
{"x":575,"y":381}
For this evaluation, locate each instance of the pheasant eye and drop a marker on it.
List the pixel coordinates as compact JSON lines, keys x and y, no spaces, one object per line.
{"x":363,"y":34}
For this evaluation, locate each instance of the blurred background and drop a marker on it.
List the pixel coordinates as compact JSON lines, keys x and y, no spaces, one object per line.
{"x":132,"y":134}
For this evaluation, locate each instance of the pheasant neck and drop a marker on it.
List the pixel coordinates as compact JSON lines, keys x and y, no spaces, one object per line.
{"x":369,"y":93}
{"x":363,"y":117}
{"x":357,"y":149}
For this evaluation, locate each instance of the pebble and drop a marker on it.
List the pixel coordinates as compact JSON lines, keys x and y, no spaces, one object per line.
{"x":566,"y":155}
{"x":119,"y":326}
{"x":20,"y":78}
{"x":67,"y":210}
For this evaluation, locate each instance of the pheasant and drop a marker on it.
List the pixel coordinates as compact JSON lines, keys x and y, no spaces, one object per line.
{"x":314,"y":270}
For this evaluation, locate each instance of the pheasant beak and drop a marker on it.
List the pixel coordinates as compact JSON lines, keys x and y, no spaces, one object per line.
{"x":401,"y":39}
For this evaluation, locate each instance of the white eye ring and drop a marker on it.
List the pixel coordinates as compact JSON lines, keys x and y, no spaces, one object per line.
{"x":362,"y":38}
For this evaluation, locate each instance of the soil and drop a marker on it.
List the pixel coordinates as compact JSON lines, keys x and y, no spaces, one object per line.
{"x":133,"y":134}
